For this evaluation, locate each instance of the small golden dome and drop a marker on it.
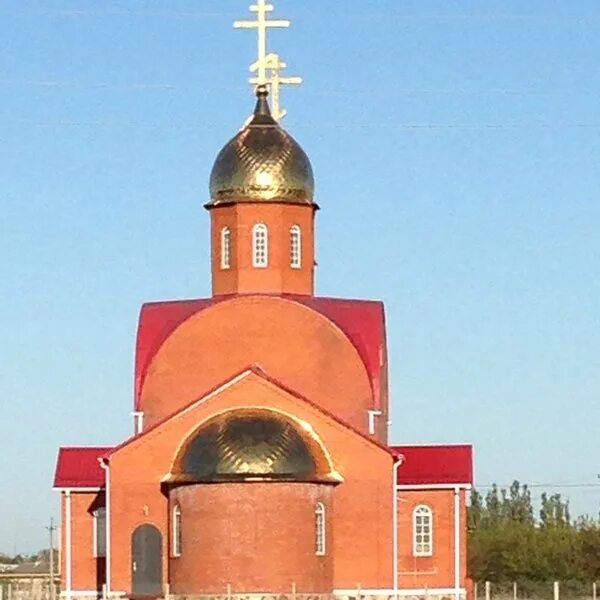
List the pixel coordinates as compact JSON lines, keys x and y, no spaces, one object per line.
{"x":262,"y":163}
{"x":248,"y":445}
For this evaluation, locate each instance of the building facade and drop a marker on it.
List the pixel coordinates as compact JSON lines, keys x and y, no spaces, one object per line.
{"x":260,"y":464}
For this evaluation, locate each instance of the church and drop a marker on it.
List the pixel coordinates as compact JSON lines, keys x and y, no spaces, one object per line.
{"x":260,"y":465}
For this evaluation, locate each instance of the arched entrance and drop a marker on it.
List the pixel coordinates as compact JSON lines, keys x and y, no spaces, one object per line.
{"x":146,"y":561}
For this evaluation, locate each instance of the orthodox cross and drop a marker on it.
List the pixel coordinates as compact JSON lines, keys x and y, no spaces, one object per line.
{"x":268,"y":67}
{"x":275,"y":65}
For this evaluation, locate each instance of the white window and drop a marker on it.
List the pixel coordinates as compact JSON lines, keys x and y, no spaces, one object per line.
{"x":260,"y":246}
{"x":176,"y":531}
{"x":295,"y":247}
{"x":225,"y":248}
{"x":99,"y":533}
{"x":138,"y":422}
{"x":320,"y":530}
{"x":422,"y":531}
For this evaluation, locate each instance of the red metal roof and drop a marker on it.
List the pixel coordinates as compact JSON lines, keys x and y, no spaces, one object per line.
{"x":362,"y":321}
{"x":156,"y":322}
{"x":435,"y":464}
{"x":79,"y":467}
{"x":261,"y":373}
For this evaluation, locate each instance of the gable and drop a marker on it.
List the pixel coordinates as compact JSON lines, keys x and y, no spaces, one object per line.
{"x":155,"y":450}
{"x":363,"y":321}
{"x":291,"y":341}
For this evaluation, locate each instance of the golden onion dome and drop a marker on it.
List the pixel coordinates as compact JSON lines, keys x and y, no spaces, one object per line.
{"x":248,"y":445}
{"x":262,"y":163}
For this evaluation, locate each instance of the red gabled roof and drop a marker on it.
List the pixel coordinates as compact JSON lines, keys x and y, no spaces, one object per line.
{"x":435,"y":464}
{"x":362,"y":321}
{"x":156,"y":322}
{"x":257,"y":370}
{"x":79,"y":467}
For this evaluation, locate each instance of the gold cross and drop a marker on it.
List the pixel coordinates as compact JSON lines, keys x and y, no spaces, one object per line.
{"x":262,"y":24}
{"x":275,"y":65}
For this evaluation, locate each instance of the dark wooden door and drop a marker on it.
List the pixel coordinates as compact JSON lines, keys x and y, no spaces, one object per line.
{"x":146,"y":561}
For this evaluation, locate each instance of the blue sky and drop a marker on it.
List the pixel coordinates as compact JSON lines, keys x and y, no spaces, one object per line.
{"x":456,"y":150}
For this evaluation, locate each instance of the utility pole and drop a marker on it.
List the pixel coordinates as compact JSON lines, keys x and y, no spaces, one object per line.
{"x":51,"y":529}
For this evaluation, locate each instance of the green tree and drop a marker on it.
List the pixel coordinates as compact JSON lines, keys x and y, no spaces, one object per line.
{"x":475,"y":510}
{"x":506,"y":542}
{"x":554,"y":512}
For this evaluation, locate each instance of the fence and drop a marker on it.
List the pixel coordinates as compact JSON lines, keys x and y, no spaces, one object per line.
{"x":35,"y":587}
{"x":537,"y":590}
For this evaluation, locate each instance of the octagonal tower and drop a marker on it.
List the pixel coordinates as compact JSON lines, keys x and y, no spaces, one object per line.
{"x":262,"y":211}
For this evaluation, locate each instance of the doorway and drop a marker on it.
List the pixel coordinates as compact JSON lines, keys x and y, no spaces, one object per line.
{"x":146,"y":561}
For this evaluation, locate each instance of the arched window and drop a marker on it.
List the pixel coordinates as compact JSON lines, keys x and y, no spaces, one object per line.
{"x":260,"y":246}
{"x":225,"y":248}
{"x":295,"y":247}
{"x":320,"y":529}
{"x":99,"y":533}
{"x":176,"y":531}
{"x":422,"y":531}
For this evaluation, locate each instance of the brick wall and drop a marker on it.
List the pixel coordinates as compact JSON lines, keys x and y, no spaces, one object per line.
{"x":278,"y":276}
{"x":362,"y":503}
{"x":254,"y":536}
{"x":436,"y":571}
{"x":87,"y":570}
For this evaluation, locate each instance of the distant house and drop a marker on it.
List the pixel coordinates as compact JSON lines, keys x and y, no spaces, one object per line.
{"x":31,"y":569}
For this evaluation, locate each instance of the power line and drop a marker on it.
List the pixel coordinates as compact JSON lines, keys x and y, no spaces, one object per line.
{"x":516,"y":17}
{"x":462,"y":17}
{"x":71,"y":123}
{"x":141,"y":85}
{"x":542,"y":485}
{"x":116,"y":13}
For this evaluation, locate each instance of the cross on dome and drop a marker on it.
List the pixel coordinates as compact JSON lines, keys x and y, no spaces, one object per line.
{"x":268,"y":67}
{"x":275,"y":80}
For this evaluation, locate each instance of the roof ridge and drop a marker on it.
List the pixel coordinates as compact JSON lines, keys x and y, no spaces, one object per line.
{"x":95,"y":447}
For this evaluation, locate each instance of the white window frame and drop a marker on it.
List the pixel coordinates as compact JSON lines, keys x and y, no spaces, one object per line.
{"x":320,"y":529}
{"x":138,"y":422}
{"x":260,"y":246}
{"x":295,"y":247}
{"x":95,"y":551}
{"x":422,"y":542}
{"x":176,"y":531}
{"x":225,"y":248}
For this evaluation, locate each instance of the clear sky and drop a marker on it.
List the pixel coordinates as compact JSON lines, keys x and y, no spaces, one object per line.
{"x":456,"y":147}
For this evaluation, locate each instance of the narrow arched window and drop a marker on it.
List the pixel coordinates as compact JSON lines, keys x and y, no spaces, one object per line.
{"x":320,"y":529}
{"x":422,"y":531}
{"x":295,"y":247}
{"x":260,"y":246}
{"x":225,"y":248}
{"x":176,"y":531}
{"x":99,"y":533}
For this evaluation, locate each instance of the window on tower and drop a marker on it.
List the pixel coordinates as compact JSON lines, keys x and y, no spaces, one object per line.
{"x":225,"y":248}
{"x":176,"y":531}
{"x":260,"y":246}
{"x":295,"y":247}
{"x":422,"y":531}
{"x":320,"y":531}
{"x":99,"y":533}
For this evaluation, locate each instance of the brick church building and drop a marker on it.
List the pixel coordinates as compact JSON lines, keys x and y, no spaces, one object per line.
{"x":260,"y":463}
